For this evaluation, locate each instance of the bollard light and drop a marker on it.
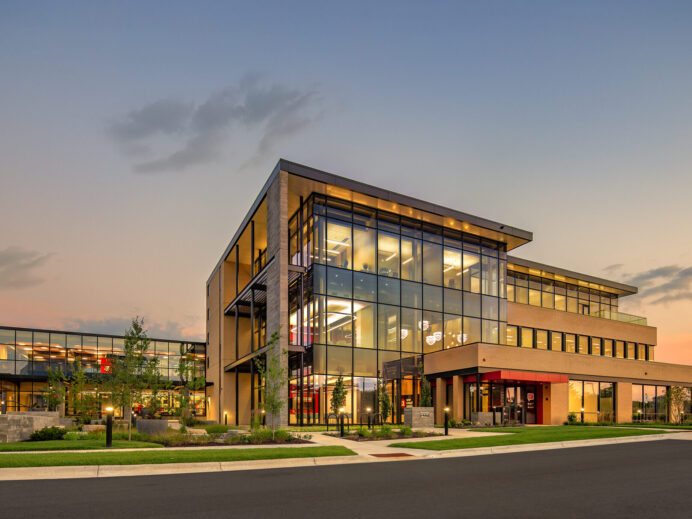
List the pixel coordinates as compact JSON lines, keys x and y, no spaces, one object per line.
{"x":225,"y":417}
{"x":109,"y":426}
{"x":446,"y":421}
{"x":369,"y":418}
{"x":341,"y":420}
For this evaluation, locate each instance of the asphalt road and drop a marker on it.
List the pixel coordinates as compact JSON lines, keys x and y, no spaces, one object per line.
{"x":647,"y":479}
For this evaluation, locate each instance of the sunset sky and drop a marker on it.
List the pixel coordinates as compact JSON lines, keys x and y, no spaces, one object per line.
{"x":134,"y":137}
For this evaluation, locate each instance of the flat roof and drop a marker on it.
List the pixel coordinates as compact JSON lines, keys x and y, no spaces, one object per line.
{"x":621,"y":288}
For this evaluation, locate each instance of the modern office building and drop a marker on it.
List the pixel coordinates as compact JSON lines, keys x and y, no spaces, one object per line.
{"x":27,"y":354}
{"x":368,"y":284}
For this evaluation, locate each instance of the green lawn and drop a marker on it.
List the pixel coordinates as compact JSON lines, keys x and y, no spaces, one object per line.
{"x":66,"y":445}
{"x":166,"y":456}
{"x":687,"y":427}
{"x":520,"y":435}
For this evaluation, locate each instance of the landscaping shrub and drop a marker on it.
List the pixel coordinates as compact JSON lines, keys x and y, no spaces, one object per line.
{"x":217,"y":428}
{"x":453,"y":423}
{"x":48,"y":434}
{"x":385,"y":431}
{"x":363,"y":432}
{"x":405,"y":430}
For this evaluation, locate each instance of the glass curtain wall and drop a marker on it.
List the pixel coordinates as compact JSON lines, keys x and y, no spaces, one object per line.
{"x":26,"y":355}
{"x":382,"y":290}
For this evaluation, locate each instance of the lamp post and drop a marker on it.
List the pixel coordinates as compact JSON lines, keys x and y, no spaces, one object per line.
{"x":109,"y":426}
{"x":369,"y":418}
{"x":341,"y":421}
{"x":446,"y":421}
{"x":225,"y":417}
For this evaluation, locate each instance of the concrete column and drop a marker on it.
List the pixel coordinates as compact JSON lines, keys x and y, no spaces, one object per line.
{"x":623,"y":402}
{"x":457,"y":397}
{"x":558,"y":403}
{"x":440,"y":400}
{"x":277,"y":275}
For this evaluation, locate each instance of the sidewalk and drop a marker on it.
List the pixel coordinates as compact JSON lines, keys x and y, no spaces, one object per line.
{"x":366,"y":452}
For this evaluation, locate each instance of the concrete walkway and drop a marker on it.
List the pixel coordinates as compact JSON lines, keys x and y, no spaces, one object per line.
{"x":366,"y":452}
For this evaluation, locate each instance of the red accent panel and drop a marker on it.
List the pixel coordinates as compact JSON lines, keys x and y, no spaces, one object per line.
{"x":523,"y":376}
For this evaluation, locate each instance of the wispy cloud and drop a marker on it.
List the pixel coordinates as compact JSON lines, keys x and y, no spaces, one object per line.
{"x":19,"y":267}
{"x":199,"y":133}
{"x":120,"y":325}
{"x":665,"y":284}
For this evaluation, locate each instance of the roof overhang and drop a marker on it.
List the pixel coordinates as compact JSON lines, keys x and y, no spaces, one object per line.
{"x":569,"y":276}
{"x":315,"y":180}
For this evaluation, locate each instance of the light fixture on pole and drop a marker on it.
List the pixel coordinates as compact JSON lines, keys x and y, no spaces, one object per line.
{"x":109,"y":426}
{"x":446,"y":421}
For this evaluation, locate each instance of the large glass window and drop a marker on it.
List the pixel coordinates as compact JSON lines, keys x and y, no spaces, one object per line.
{"x":472,"y":272}
{"x":388,"y":327}
{"x":472,"y":330}
{"x":339,"y":282}
{"x":364,"y":286}
{"x":339,"y":322}
{"x":388,"y":290}
{"x":527,"y":337}
{"x":490,"y":276}
{"x":338,"y":248}
{"x":411,"y":330}
{"x":591,"y":401}
{"x":432,"y":298}
{"x":452,"y":268}
{"x":432,"y":263}
{"x":411,"y":294}
{"x":388,"y":254}
{"x":432,"y":331}
{"x":542,"y":339}
{"x":452,"y":331}
{"x":411,"y":259}
{"x":570,"y":343}
{"x":512,"y":336}
{"x":365,"y":324}
{"x":364,"y":249}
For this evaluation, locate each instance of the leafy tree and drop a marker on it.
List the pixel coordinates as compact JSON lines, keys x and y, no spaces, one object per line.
{"x":129,"y":371}
{"x":338,"y":395}
{"x":384,"y":402}
{"x":425,"y":391}
{"x":84,"y":402}
{"x":675,"y":397}
{"x":274,"y":378}
{"x":157,"y":387}
{"x":54,"y":393}
{"x":191,"y":380}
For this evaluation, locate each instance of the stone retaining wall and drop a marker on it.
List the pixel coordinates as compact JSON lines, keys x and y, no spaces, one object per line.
{"x":15,"y":427}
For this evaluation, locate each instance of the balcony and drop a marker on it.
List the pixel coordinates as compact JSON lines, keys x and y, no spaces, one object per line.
{"x":620,"y":316}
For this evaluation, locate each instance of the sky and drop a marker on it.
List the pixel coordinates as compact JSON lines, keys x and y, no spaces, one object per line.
{"x":135,"y":135}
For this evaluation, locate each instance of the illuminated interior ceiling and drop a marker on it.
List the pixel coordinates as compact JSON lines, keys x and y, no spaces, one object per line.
{"x":557,"y":274}
{"x":303,"y":181}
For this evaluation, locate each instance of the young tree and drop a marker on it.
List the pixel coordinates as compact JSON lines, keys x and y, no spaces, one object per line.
{"x":425,"y":391}
{"x":384,"y":402}
{"x":84,"y":402}
{"x":676,"y":397}
{"x":338,"y":396}
{"x":191,"y":380}
{"x":54,"y":393}
{"x":129,"y":371}
{"x":274,"y":378}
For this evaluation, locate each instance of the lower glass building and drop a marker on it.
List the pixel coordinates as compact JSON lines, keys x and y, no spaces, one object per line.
{"x":27,"y":354}
{"x":379,"y":288}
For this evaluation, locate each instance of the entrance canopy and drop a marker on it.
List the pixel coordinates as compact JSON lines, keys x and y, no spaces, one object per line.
{"x":518,"y":376}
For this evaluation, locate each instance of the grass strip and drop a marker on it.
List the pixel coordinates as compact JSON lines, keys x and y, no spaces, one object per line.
{"x":51,"y":459}
{"x":524,"y":435}
{"x":68,"y":445}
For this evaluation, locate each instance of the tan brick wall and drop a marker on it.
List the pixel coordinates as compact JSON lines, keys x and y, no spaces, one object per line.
{"x":545,"y":319}
{"x":623,"y":402}
{"x":214,"y":404}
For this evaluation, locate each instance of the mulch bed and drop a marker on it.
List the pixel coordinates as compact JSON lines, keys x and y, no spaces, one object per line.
{"x":356,"y":438}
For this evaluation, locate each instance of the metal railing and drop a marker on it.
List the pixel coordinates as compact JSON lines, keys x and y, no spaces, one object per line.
{"x":620,"y":316}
